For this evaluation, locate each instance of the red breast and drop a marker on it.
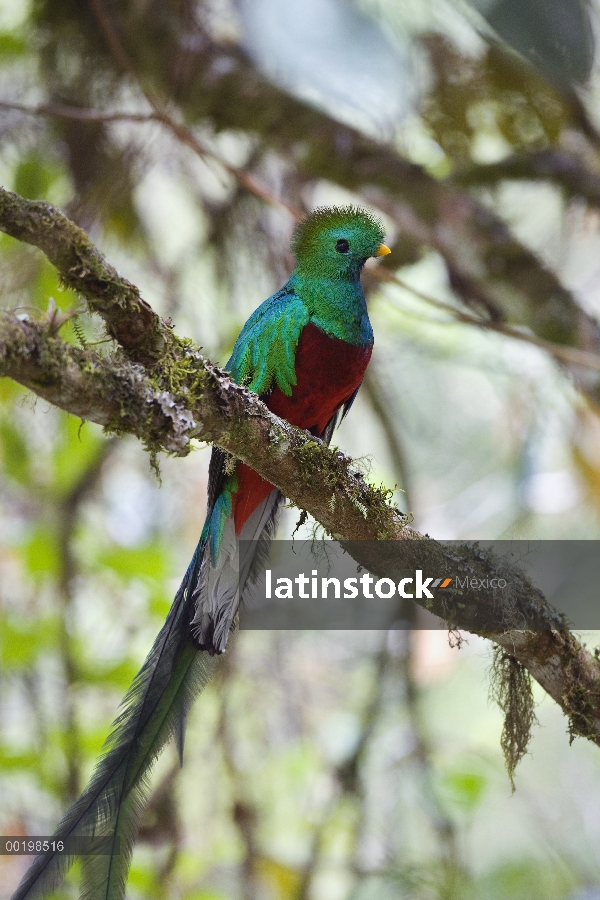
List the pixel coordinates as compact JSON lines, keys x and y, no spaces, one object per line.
{"x":328,"y":371}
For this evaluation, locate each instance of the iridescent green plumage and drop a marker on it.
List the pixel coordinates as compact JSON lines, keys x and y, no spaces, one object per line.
{"x":324,"y":287}
{"x":264,"y":353}
{"x":304,"y":350}
{"x":314,"y":240}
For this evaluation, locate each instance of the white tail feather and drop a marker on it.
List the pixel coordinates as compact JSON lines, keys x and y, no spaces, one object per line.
{"x":222,"y":581}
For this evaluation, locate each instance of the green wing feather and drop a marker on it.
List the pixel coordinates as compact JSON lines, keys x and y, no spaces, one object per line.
{"x":265,"y":352}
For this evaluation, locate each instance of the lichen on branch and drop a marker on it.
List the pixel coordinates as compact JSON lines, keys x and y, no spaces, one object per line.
{"x":180,"y":395}
{"x":128,"y":318}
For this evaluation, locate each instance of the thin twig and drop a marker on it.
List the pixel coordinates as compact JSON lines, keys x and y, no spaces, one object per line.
{"x":177,"y":128}
{"x":570,"y":355}
{"x":60,"y":110}
{"x":160,"y":115}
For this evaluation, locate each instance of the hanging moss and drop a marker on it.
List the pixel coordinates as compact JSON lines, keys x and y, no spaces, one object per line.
{"x":510,"y":688}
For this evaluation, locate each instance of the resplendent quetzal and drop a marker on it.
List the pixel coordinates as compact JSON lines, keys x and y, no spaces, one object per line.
{"x":304,"y":351}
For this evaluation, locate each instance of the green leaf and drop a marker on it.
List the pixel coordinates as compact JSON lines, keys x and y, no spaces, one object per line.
{"x":11,"y":46}
{"x":14,"y":452}
{"x":21,"y":641}
{"x":527,"y":880}
{"x":35,"y":175}
{"x":47,"y":284}
{"x":10,"y":390}
{"x":41,"y":553}
{"x":27,"y":760}
{"x":118,"y":676}
{"x":465,"y":788}
{"x":205,"y":895}
{"x":149,"y":561}
{"x":77,"y":447}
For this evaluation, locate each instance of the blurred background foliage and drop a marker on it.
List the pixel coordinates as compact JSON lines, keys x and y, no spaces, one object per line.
{"x":182,"y":135}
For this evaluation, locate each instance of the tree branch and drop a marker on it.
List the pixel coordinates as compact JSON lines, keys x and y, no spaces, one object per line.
{"x":566,"y":168}
{"x":572,"y":357}
{"x":186,"y":396}
{"x":114,"y":393}
{"x":129,"y":319}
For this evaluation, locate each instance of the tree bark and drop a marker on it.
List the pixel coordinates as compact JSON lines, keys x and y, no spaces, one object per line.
{"x":178,"y":394}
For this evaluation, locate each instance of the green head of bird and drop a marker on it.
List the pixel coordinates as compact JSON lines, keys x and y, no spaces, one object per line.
{"x":336,"y":241}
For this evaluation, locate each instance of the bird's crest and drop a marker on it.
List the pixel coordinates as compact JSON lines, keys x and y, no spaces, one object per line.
{"x":327,"y":218}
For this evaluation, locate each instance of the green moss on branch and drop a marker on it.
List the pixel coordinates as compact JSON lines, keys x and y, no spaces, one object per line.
{"x":81,"y":266}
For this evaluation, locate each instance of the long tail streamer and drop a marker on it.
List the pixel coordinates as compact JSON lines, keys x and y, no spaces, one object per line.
{"x":153,"y":710}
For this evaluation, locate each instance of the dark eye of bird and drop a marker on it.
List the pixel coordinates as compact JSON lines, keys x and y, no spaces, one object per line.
{"x":342,"y":246}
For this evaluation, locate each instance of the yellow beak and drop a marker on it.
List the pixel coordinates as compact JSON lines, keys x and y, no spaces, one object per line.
{"x":383,"y":250}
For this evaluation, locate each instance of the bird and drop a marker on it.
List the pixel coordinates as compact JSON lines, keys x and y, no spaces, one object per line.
{"x":304,"y":351}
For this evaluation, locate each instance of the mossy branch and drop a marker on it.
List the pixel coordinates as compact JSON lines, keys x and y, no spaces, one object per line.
{"x":129,"y":319}
{"x":186,"y":396}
